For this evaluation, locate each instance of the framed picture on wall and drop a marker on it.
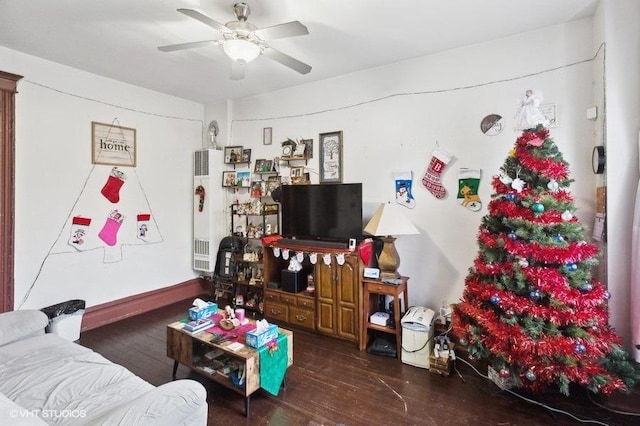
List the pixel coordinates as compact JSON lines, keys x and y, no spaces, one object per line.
{"x":266,"y":135}
{"x":331,"y":157}
{"x":113,"y":145}
{"x":246,"y":156}
{"x":228,"y":179}
{"x":297,"y":171}
{"x":232,"y":154}
{"x":243,"y":179}
{"x":308,"y":150}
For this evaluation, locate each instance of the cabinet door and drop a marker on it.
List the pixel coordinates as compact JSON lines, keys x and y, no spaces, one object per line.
{"x":325,"y":284}
{"x":347,"y":321}
{"x":337,"y":292}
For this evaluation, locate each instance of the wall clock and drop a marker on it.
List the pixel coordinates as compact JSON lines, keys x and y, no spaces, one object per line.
{"x":598,"y":158}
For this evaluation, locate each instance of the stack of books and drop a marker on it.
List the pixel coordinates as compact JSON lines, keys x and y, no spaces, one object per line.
{"x":198,"y":325}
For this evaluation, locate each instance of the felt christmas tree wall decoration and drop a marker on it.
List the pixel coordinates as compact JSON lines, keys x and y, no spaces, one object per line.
{"x":432,"y":179}
{"x":531,"y":305}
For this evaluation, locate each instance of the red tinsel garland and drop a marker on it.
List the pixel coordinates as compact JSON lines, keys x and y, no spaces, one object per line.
{"x":571,"y":253}
{"x":536,"y":355}
{"x":544,"y":166}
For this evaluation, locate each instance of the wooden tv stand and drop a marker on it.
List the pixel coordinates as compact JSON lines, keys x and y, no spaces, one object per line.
{"x":335,"y":306}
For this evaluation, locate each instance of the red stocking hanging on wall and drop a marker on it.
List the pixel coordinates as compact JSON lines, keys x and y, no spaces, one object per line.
{"x":432,"y":179}
{"x":111,"y":189}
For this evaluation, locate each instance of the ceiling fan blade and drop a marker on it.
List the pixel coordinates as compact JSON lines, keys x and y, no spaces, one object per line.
{"x":288,"y":29}
{"x":286,"y":60}
{"x":197,"y":15}
{"x":237,"y":70}
{"x":182,"y":46}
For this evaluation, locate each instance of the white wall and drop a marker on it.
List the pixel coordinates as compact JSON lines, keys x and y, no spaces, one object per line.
{"x":55,"y":179}
{"x":392,"y":118}
{"x":618,"y":27}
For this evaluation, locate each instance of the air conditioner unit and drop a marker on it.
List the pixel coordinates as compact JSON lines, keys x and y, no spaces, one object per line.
{"x":208,"y":221}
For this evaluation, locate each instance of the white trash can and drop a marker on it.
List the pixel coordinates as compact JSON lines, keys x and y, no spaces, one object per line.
{"x":65,"y":319}
{"x":417,"y":336}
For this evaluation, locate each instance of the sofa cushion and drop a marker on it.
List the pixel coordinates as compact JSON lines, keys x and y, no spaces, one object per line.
{"x":49,"y":373}
{"x":17,"y":325}
{"x":172,"y":404}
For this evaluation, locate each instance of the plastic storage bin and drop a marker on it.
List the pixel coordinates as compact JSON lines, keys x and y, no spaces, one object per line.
{"x":65,"y":319}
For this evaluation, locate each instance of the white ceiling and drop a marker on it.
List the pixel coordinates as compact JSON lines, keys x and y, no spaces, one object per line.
{"x":119,"y":38}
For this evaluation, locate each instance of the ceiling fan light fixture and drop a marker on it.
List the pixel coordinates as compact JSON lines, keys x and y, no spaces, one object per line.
{"x":240,"y":50}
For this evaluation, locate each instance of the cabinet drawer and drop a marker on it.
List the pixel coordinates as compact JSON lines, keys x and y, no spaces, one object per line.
{"x":276,"y":311}
{"x":274,"y":297}
{"x":302,"y":317}
{"x":306,"y":302}
{"x":288,"y":298}
{"x":380,"y":288}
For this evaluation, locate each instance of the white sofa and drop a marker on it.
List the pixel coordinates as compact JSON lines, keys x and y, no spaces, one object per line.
{"x":45,"y":379}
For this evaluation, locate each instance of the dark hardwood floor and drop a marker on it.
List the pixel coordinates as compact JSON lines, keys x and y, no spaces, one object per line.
{"x":332,"y":383}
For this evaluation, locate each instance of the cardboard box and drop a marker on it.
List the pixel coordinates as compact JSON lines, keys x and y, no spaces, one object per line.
{"x":207,"y":311}
{"x":441,"y":364}
{"x":258,"y":339}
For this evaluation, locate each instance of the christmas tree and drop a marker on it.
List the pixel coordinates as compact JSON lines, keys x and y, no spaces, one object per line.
{"x":531,"y":305}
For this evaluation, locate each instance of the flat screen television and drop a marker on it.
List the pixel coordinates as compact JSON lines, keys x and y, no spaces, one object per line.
{"x":329,"y":212}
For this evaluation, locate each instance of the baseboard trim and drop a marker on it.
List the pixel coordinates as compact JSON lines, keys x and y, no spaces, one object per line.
{"x":106,"y":313}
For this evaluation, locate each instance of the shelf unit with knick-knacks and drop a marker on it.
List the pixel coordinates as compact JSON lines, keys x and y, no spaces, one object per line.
{"x":248,"y":279}
{"x":255,"y":219}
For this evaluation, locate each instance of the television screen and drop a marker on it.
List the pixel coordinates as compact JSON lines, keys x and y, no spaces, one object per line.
{"x":322,"y":212}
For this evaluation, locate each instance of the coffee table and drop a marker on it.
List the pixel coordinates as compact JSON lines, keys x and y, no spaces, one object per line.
{"x":223,"y":357}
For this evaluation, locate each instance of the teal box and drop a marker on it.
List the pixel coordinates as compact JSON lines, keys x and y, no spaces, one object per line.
{"x":207,"y":311}
{"x":257,"y":339}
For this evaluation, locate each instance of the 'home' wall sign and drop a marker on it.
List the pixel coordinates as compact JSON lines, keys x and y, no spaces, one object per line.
{"x":113,"y":145}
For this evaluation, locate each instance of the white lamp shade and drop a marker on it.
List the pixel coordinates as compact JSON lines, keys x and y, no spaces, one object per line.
{"x":240,"y":50}
{"x":388,"y":219}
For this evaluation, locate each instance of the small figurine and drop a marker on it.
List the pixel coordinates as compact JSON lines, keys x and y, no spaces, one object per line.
{"x":228,"y":312}
{"x":529,"y":115}
{"x":230,"y":321}
{"x":295,"y":265}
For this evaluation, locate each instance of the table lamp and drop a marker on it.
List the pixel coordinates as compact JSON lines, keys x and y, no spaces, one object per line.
{"x":388,"y":220}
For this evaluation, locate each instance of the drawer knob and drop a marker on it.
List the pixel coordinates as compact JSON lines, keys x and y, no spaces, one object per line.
{"x":301,"y":318}
{"x":275,"y":312}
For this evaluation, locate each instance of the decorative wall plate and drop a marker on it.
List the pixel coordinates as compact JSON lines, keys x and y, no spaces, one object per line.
{"x":492,"y":125}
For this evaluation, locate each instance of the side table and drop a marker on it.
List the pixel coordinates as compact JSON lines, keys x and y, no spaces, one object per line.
{"x":378,"y":287}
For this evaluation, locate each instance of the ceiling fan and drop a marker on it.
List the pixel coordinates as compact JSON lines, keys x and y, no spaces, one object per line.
{"x":243,"y":42}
